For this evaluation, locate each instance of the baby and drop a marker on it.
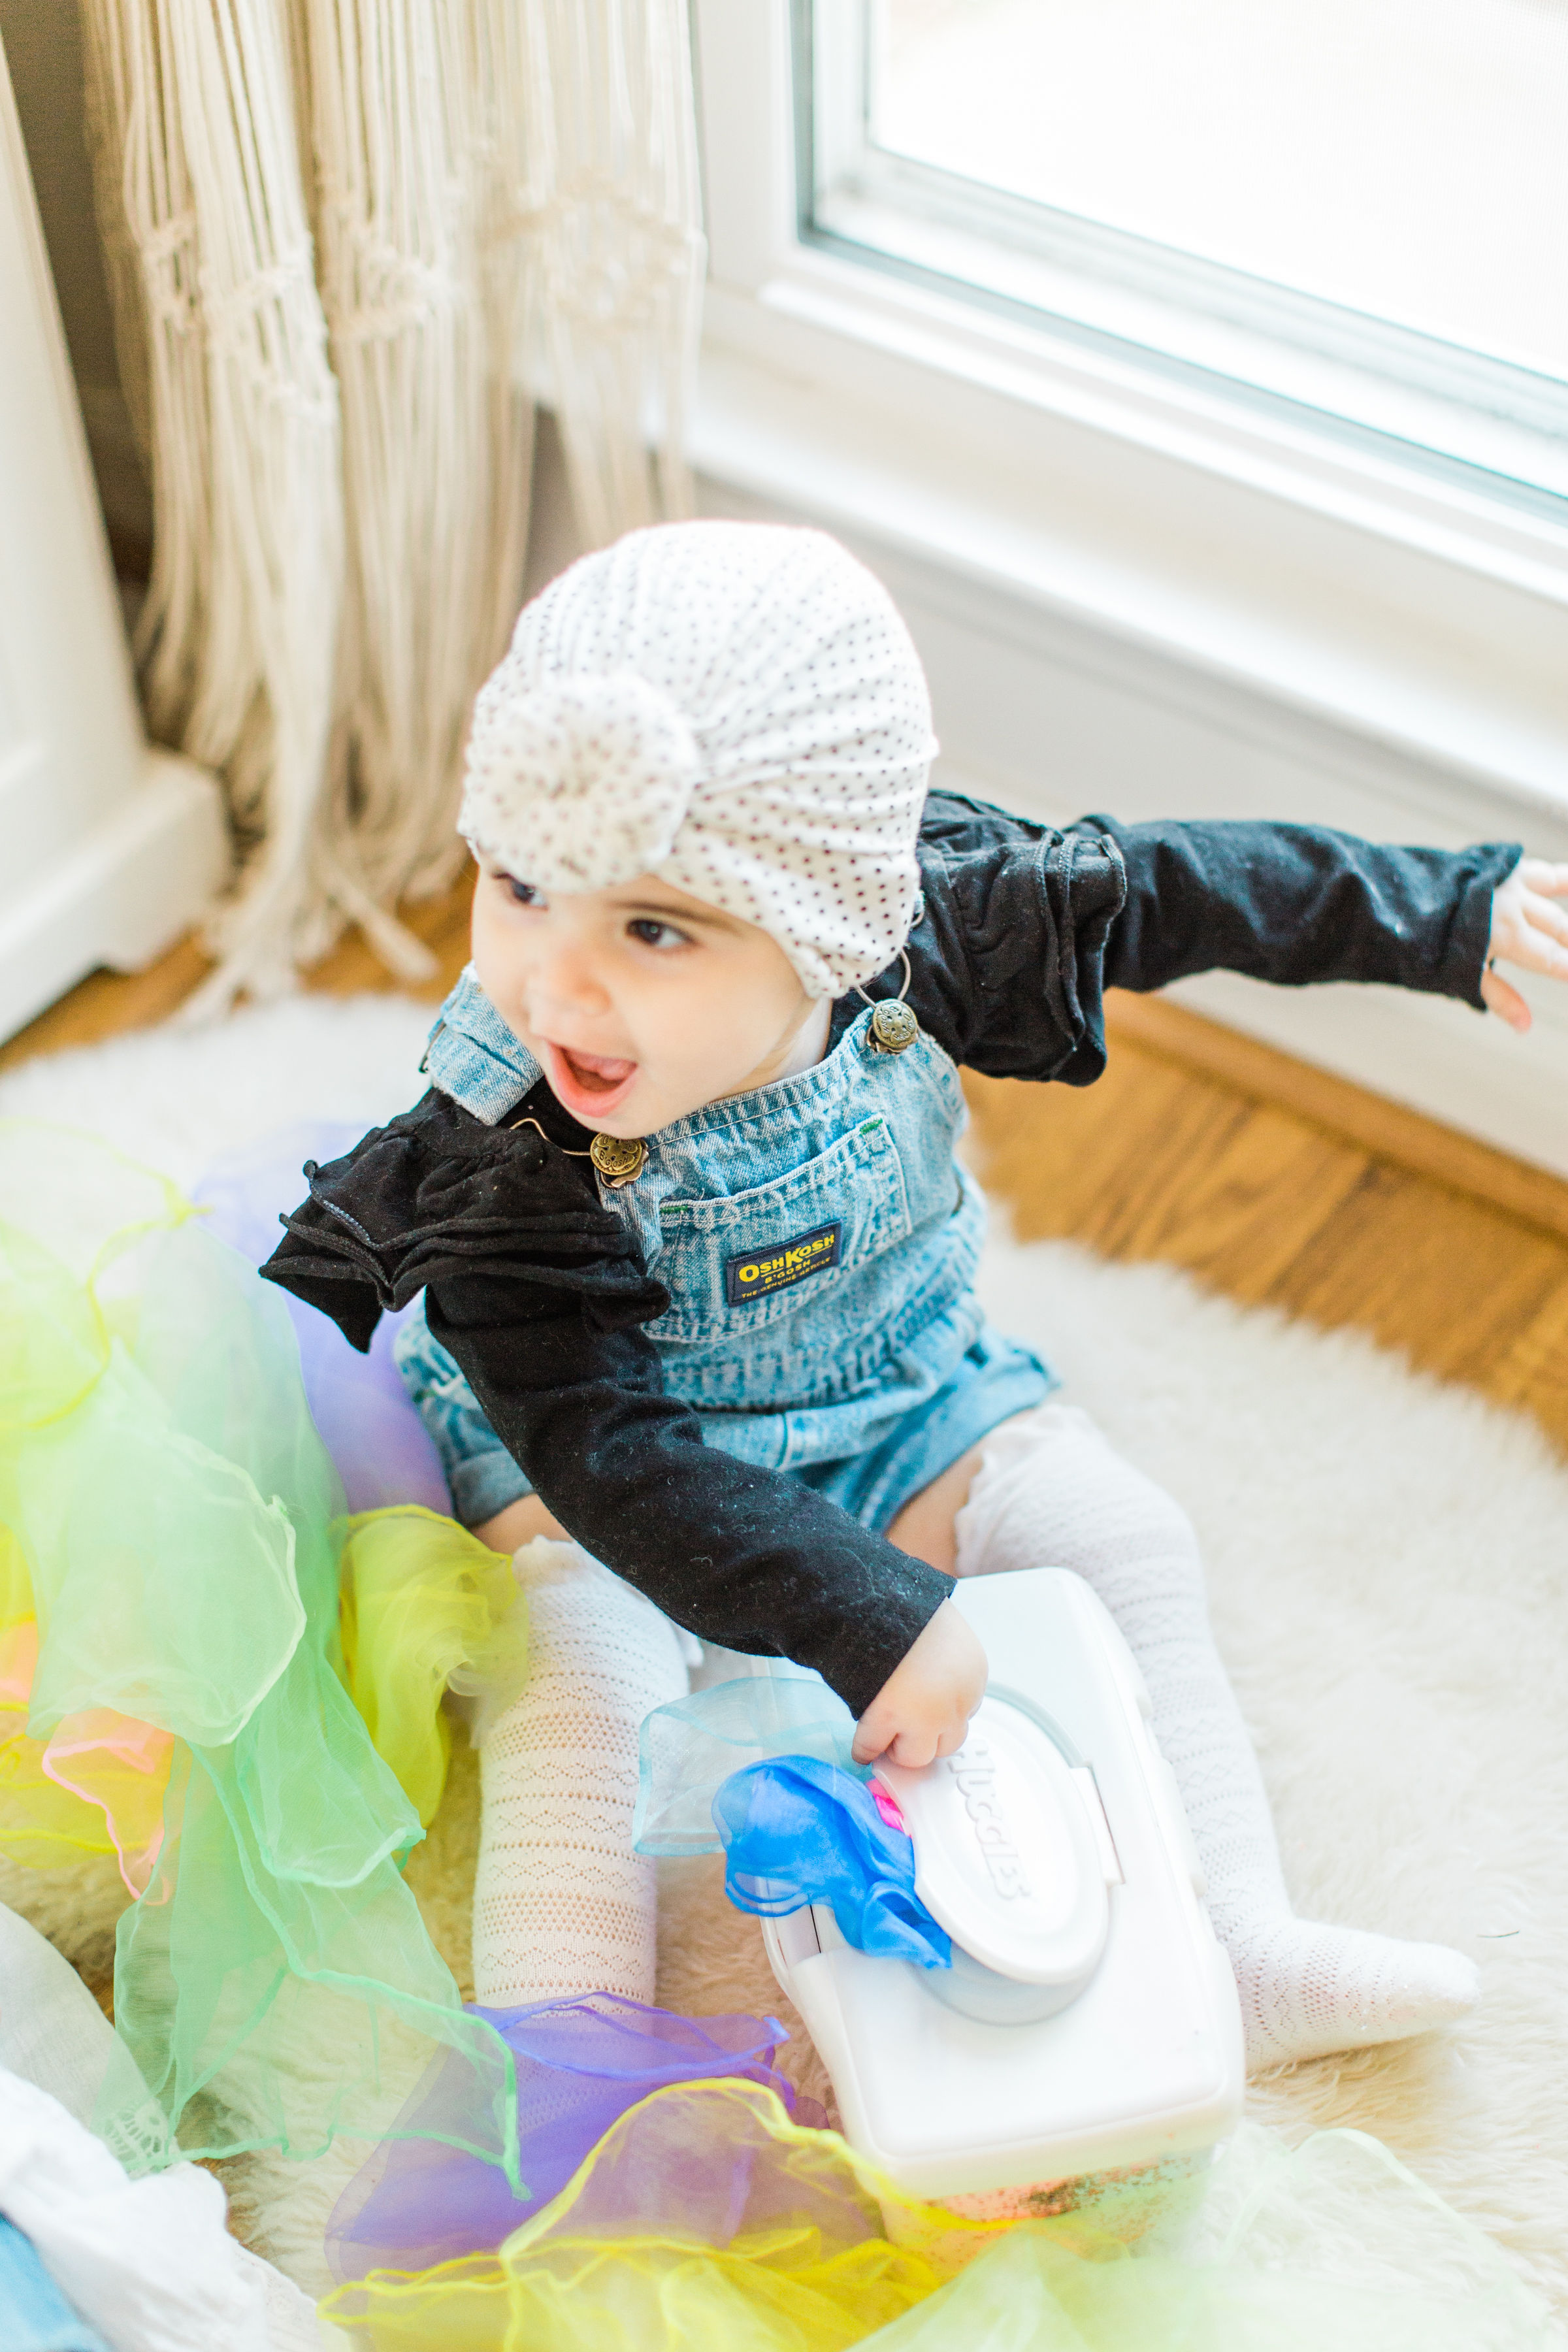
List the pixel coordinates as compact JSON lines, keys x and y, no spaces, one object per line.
{"x":696,"y":1254}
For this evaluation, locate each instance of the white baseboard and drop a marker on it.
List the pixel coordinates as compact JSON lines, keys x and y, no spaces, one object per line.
{"x":136,"y":881}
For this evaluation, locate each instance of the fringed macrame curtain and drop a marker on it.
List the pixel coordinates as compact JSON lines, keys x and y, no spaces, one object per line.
{"x":350,"y":241}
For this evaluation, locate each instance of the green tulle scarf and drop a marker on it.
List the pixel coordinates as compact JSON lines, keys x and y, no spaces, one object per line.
{"x":210,"y":1671}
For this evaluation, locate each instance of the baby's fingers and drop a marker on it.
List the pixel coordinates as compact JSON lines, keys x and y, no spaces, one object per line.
{"x":1541,"y":874}
{"x":1536,"y":936}
{"x":872,"y":1735}
{"x":914,"y":1749}
{"x":1504,"y":1001}
{"x":1546,"y":921}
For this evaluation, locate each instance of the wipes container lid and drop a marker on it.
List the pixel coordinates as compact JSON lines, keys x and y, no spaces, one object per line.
{"x":1006,"y":1858}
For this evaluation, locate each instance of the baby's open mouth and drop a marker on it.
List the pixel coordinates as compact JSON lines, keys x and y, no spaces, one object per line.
{"x":596,"y":1073}
{"x":591,"y":1086}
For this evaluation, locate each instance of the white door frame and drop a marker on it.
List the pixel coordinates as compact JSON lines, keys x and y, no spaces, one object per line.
{"x":109,"y":847}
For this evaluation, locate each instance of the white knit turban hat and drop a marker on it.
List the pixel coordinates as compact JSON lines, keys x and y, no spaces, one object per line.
{"x":734,"y":707}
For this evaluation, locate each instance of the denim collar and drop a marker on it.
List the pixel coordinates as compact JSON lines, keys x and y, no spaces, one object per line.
{"x":475,"y":1058}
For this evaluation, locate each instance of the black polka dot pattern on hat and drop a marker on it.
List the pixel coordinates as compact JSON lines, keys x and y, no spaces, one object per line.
{"x":736,"y":707}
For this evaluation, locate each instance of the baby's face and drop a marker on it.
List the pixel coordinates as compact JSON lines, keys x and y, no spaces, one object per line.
{"x":641,"y":1003}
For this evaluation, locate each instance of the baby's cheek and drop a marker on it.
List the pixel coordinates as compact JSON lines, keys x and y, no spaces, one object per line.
{"x":690,"y":1063}
{"x":671,"y":1087}
{"x":495,"y":956}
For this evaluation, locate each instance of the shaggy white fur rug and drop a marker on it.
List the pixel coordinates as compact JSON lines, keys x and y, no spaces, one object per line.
{"x":1385,"y":1562}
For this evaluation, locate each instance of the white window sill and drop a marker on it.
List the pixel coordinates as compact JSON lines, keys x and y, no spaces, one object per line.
{"x":1330,"y":581}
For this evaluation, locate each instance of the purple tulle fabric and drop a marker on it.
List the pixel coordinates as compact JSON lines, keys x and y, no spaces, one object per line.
{"x":359,"y":1404}
{"x":580,"y":2064}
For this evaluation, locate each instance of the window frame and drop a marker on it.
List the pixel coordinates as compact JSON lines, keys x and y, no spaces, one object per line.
{"x":1495,"y":427}
{"x":1330,"y":572}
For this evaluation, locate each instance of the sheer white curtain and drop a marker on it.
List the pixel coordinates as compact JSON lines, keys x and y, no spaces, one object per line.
{"x":352,"y":241}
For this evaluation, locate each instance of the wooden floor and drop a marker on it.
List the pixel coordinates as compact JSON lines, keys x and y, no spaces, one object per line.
{"x":1244,"y":1175}
{"x":1263,"y":1178}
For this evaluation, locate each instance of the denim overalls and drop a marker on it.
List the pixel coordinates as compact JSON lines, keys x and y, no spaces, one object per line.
{"x":818,"y":1241}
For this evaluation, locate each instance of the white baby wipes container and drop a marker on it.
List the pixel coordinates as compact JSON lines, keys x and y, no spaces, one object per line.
{"x":1089,"y":2022}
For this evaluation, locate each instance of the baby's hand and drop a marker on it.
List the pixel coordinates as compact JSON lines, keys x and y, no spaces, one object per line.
{"x":923,"y":1708}
{"x":1529,"y":928}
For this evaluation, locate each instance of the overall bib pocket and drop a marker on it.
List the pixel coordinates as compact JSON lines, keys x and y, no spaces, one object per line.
{"x":738,"y":1264}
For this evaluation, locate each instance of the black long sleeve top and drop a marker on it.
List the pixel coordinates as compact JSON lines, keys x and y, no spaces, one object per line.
{"x":538,"y":1293}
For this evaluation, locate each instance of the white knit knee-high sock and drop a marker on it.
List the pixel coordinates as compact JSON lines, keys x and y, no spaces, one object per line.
{"x":562,"y":1904}
{"x":1051,"y":1492}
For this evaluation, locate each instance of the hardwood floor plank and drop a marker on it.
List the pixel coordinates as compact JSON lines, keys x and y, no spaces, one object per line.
{"x":1533,"y":1370}
{"x":441,"y":922}
{"x":1386,"y":1128}
{"x":1157,"y":1164}
{"x":1159,"y":1161}
{"x":1426,"y":1270}
{"x":106,"y":1002}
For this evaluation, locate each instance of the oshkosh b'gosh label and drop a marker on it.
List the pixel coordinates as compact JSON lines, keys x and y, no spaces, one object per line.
{"x":757,"y":1274}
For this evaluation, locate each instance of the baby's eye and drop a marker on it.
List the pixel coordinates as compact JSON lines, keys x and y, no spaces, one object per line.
{"x":656,"y":934}
{"x":525,"y":894}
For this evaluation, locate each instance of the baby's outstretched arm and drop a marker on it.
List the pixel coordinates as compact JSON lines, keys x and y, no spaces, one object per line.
{"x":1529,"y":927}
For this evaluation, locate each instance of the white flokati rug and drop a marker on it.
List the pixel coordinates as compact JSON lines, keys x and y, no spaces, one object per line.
{"x":1386,"y":1562}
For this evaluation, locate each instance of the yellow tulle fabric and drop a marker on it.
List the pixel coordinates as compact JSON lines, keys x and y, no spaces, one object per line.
{"x":208,"y":1669}
{"x":706,"y":2222}
{"x":425,"y":1608}
{"x":97,"y":1783}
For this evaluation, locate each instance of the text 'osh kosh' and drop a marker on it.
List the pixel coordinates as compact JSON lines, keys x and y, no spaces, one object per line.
{"x":753,"y":1273}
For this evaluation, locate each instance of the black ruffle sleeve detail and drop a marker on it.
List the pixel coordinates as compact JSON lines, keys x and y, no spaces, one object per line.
{"x":437,"y":1193}
{"x":1007,"y":960}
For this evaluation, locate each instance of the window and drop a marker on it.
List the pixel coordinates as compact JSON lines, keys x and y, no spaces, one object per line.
{"x":1351,"y":210}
